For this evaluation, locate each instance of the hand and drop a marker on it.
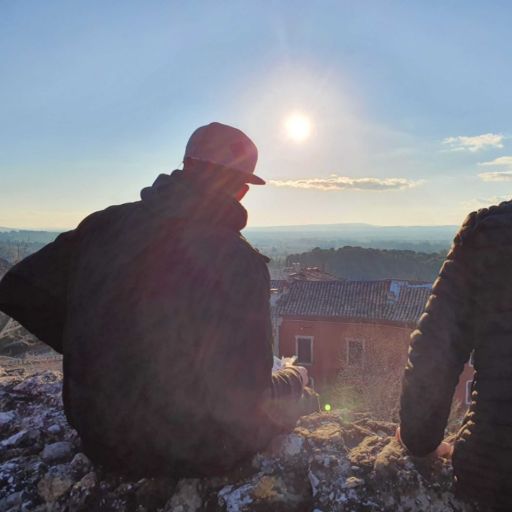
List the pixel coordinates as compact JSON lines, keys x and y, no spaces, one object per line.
{"x":397,"y":435}
{"x":303,"y":374}
{"x":444,"y":449}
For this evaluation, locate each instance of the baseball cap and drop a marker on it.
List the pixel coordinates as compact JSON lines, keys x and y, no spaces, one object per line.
{"x":227,"y":146}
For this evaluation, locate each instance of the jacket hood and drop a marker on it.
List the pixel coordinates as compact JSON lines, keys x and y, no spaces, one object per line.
{"x":175,"y":196}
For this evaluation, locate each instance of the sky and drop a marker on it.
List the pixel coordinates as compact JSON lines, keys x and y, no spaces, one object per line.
{"x":408,"y":105}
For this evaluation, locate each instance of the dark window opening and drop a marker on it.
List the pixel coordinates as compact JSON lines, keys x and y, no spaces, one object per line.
{"x":355,"y":353}
{"x":304,"y":350}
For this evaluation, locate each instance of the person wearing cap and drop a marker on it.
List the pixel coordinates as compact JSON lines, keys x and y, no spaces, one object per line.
{"x":161,"y":310}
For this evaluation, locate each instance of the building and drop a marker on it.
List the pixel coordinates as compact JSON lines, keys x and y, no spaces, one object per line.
{"x":356,"y":327}
{"x":280,"y":282}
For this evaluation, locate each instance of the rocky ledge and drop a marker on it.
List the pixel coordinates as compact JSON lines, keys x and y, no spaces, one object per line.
{"x":327,"y":463}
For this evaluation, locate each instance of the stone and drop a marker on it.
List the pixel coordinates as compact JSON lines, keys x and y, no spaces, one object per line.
{"x":55,"y":483}
{"x":61,"y":451}
{"x":186,"y":497}
{"x":278,"y":493}
{"x":12,"y":501}
{"x":82,"y":494}
{"x":7,"y":419}
{"x":55,"y":429}
{"x":331,"y":462}
{"x":152,"y":493}
{"x":80,"y":465}
{"x":352,"y":482}
{"x":23,"y":439}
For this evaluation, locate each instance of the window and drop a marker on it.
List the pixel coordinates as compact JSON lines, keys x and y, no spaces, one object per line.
{"x":304,"y":349}
{"x":469,"y":388}
{"x":355,"y":353}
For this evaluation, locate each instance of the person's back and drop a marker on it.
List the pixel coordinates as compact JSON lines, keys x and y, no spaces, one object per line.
{"x":469,"y":310}
{"x":161,"y":299}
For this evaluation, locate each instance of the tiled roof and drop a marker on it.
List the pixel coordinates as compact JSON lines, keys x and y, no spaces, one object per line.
{"x":311,"y":274}
{"x":278,"y":284}
{"x":387,"y":300}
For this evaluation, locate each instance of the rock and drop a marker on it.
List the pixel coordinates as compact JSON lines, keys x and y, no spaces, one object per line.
{"x":352,"y":482}
{"x":61,"y":451}
{"x":186,"y":497}
{"x":389,"y":460}
{"x":55,"y":483}
{"x":266,"y":492}
{"x":55,"y":429}
{"x":152,"y":493}
{"x":80,"y":465}
{"x":15,"y":440}
{"x":22,"y":439}
{"x":13,"y":501}
{"x":329,"y":463}
{"x":7,"y":420}
{"x":82,"y":494}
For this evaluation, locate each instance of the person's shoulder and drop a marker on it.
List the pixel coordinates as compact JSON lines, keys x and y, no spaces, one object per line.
{"x":487,"y":222}
{"x":237,"y":255}
{"x":252,"y":257}
{"x":109,"y":214}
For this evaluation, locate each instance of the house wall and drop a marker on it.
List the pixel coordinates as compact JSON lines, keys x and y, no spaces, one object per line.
{"x":385,"y":348}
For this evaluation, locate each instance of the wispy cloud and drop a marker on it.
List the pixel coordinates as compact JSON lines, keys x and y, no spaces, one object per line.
{"x":505,"y":175}
{"x":496,"y":176}
{"x":474,"y":143}
{"x":335,"y":182}
{"x":502,"y":161}
{"x":481,"y":202}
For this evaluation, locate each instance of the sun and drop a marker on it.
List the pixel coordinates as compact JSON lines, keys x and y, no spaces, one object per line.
{"x":297,"y":127}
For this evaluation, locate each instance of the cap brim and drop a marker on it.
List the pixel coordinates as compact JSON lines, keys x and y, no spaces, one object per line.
{"x":253,"y":179}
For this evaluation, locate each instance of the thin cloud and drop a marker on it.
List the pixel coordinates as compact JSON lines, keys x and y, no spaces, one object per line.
{"x":481,"y":202}
{"x":335,"y":182}
{"x":496,"y":176}
{"x":474,"y":143}
{"x":502,"y":161}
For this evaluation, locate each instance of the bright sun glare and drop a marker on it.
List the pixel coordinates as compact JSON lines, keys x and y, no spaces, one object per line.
{"x":298,"y":127}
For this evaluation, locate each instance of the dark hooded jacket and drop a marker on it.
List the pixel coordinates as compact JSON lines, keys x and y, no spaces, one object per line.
{"x":469,"y":310}
{"x":161,"y":310}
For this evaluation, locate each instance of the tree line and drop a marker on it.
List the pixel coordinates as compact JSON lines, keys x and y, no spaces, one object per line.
{"x":358,"y":263}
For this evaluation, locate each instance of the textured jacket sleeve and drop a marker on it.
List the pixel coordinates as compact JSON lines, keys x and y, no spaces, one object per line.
{"x":439,"y":347}
{"x":33,"y":292}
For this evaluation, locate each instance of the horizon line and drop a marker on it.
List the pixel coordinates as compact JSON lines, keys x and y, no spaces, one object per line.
{"x":60,"y":230}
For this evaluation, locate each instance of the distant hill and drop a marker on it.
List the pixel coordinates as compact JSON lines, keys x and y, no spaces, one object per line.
{"x":26,"y":235}
{"x":17,"y":244}
{"x":4,"y":267}
{"x":279,"y":241}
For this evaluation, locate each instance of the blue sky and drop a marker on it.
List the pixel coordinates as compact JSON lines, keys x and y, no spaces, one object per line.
{"x":409,"y":104}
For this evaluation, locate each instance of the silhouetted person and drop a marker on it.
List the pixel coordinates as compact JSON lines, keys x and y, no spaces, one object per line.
{"x":161,"y":310}
{"x":470,"y":309}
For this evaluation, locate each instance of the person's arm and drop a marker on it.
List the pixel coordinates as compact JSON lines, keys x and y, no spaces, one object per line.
{"x":243,"y":309}
{"x":440,"y":346}
{"x":33,"y":292}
